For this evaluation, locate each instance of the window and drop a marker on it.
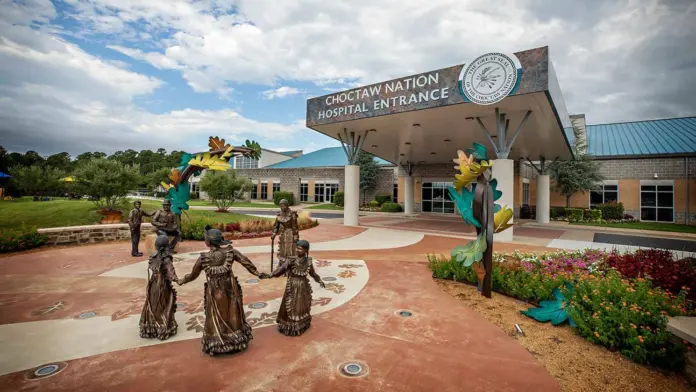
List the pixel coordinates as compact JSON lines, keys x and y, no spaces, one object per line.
{"x":195,"y":190}
{"x":264,"y":190}
{"x":525,"y":193}
{"x":304,"y":191}
{"x":242,"y":162}
{"x":324,"y":191}
{"x":395,"y":193}
{"x":656,"y":202}
{"x":254,"y":193}
{"x":276,"y":186}
{"x":436,"y":198}
{"x":605,"y":194}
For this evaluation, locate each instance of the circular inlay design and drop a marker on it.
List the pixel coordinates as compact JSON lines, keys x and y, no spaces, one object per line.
{"x":258,"y":305}
{"x":252,"y":281}
{"x":329,"y":279}
{"x":86,"y":315}
{"x":404,"y":313}
{"x":44,"y":371}
{"x":353,"y":369}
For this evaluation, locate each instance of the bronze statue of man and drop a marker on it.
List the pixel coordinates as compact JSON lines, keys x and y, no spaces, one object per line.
{"x":135,"y":219}
{"x":165,"y":223}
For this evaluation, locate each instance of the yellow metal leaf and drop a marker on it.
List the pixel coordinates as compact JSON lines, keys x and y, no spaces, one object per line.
{"x":165,"y":185}
{"x":501,"y":219}
{"x":228,"y":153}
{"x":206,"y":161}
{"x":469,"y":169}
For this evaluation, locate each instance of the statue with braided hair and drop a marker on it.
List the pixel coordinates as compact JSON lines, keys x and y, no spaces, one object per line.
{"x":157,"y":318}
{"x":226,"y":329}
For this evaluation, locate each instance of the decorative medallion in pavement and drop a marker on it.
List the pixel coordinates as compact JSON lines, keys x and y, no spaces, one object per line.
{"x":69,"y":335}
{"x":404,"y":313}
{"x":353,"y":369}
{"x":350,"y":266}
{"x":45,"y":371}
{"x":329,"y":279}
{"x":252,"y":281}
{"x":49,"y":309}
{"x":196,"y":323}
{"x":323,"y":301}
{"x":335,"y":287}
{"x":257,"y":305}
{"x":346,"y":274}
{"x":322,"y":263}
{"x":264,"y":319}
{"x":86,"y":315}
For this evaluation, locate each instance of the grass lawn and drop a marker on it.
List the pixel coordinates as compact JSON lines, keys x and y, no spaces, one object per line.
{"x":646,"y":226}
{"x":206,"y":203}
{"x":61,"y":212}
{"x":325,"y":207}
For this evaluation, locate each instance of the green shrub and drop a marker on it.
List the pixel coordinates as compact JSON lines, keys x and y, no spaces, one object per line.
{"x":611,"y":210}
{"x":383,"y":198}
{"x":629,"y":317}
{"x":596,"y":215}
{"x":574,"y":214}
{"x":21,"y":239}
{"x":391,"y":207}
{"x":278,"y":196}
{"x":557,"y":212}
{"x":193,"y":229}
{"x":339,"y":199}
{"x":374,"y":203}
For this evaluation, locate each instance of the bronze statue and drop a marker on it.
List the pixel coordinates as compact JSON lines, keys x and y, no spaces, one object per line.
{"x":157,"y":318}
{"x":294,"y":314}
{"x":287,"y":227}
{"x":165,"y":222}
{"x":135,"y":219}
{"x":226,"y":329}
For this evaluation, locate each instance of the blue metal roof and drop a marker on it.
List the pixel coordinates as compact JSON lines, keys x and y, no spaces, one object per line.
{"x":327,"y":157}
{"x":673,"y":136}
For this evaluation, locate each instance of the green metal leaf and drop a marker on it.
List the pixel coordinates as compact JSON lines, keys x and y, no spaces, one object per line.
{"x":478,"y":151}
{"x":554,"y":310}
{"x":464,"y":202}
{"x":179,"y":196}
{"x":472,"y":252}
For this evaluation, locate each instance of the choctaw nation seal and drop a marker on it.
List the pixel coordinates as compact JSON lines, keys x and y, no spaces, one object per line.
{"x":488,"y":79}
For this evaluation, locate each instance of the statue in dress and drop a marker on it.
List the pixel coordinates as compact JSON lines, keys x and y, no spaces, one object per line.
{"x":294,"y":316}
{"x":135,"y":219}
{"x":165,"y":222}
{"x":157,"y":318}
{"x":287,"y":228}
{"x":226,"y":329}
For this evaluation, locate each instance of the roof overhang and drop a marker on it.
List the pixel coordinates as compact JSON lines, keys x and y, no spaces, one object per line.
{"x":432,"y":130}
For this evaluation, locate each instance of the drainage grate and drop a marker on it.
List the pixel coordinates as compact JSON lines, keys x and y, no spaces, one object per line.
{"x":86,"y":315}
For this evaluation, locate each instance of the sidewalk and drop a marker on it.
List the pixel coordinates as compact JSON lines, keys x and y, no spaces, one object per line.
{"x":615,"y":230}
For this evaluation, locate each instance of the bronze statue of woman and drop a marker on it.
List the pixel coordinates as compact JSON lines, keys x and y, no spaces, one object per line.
{"x":294,"y":314}
{"x":226,"y":329}
{"x":157,"y":318}
{"x":286,"y":226}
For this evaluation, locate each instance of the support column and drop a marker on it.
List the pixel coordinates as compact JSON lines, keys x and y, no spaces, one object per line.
{"x":504,"y":172}
{"x":351,"y":195}
{"x":543,"y":198}
{"x":408,"y":195}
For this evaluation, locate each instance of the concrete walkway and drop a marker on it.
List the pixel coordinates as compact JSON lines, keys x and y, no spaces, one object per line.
{"x":68,"y":322}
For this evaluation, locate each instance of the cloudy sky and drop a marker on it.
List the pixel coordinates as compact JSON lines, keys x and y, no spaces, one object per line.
{"x":104,"y":75}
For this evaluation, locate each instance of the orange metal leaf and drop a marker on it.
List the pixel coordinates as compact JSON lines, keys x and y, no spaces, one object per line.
{"x":216,"y":143}
{"x":175,"y":175}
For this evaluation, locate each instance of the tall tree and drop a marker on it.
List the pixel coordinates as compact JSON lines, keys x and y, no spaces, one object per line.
{"x":60,"y":161}
{"x":32,"y":158}
{"x":4,"y":160}
{"x":368,"y":172}
{"x":36,"y":180}
{"x":580,"y":174}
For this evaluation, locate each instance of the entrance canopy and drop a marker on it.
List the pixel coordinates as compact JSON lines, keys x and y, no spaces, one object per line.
{"x":426,"y":118}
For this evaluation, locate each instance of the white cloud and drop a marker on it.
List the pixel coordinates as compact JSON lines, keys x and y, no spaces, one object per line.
{"x":281,"y":92}
{"x":363,"y":41}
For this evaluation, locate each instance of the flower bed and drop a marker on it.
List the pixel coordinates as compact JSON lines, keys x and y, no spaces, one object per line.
{"x":623,"y":313}
{"x":21,"y":239}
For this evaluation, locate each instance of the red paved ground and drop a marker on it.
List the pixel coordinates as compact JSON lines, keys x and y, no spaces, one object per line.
{"x":445,"y":346}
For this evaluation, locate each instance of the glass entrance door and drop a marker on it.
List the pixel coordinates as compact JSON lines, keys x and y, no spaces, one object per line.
{"x":436,"y":198}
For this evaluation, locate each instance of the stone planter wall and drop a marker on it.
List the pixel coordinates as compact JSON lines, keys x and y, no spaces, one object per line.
{"x":92,"y":234}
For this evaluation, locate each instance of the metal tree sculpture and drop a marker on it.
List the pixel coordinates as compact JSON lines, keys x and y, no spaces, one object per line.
{"x":475,"y":193}
{"x":193,"y":164}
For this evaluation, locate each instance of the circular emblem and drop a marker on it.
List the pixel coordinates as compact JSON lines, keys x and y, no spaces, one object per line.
{"x":44,"y":371}
{"x":353,"y":369}
{"x":488,"y":79}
